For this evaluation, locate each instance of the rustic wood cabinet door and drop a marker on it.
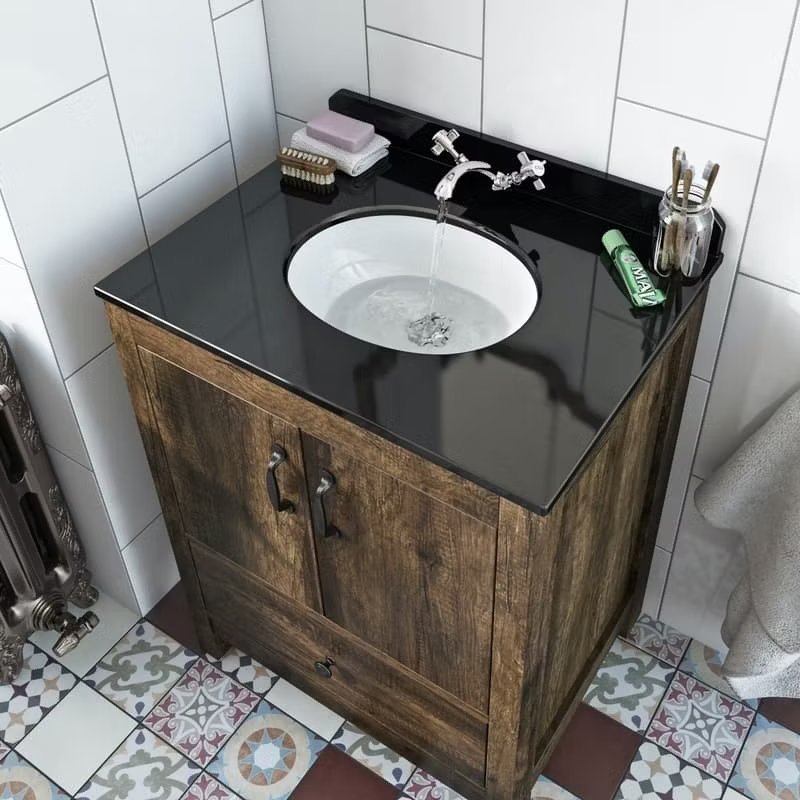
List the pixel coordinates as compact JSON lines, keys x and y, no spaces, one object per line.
{"x":219,"y":449}
{"x":403,"y":571}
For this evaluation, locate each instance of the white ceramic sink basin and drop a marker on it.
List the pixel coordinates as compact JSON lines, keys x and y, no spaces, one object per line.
{"x":366,"y":273}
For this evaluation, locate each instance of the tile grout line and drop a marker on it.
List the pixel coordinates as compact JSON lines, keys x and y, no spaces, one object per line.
{"x":483,"y":65}
{"x":422,"y":41}
{"x":53,"y":102}
{"x":271,"y":77}
{"x":86,"y":363}
{"x":616,"y":86}
{"x":693,"y":119}
{"x":746,"y":274}
{"x":366,"y":50}
{"x":229,"y":11}
{"x":745,"y":231}
{"x":224,"y":103}
{"x":289,"y":116}
{"x":193,"y":163}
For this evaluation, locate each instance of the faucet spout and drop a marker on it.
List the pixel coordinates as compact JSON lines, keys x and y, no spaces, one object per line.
{"x":444,"y":189}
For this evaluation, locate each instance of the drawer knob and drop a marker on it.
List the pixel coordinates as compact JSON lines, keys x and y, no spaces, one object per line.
{"x":323,"y":668}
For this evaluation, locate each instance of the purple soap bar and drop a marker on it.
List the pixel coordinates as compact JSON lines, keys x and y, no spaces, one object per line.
{"x":341,"y":131}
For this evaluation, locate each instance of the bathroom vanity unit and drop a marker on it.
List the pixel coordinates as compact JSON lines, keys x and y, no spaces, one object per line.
{"x":440,"y":548}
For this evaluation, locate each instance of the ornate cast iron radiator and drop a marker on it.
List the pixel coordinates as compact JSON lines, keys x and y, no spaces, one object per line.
{"x":42,"y":562}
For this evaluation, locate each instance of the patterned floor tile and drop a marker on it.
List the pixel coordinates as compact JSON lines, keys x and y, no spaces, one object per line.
{"x":20,"y":781}
{"x":656,"y":774}
{"x":201,"y":711}
{"x":41,"y":683}
{"x":659,"y":639}
{"x":245,"y":670}
{"x":701,"y":725}
{"x":381,"y":759}
{"x":629,"y":685}
{"x":140,"y":669}
{"x":4,"y":751}
{"x":769,"y":766}
{"x":206,"y":788}
{"x":545,"y":789}
{"x":142,"y":766}
{"x":424,"y":786}
{"x":705,"y":664}
{"x":336,"y":776}
{"x":267,"y":756}
{"x":732,"y":794}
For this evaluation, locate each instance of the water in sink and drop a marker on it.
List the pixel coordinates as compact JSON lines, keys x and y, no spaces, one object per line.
{"x":379,"y":310}
{"x":433,"y":328}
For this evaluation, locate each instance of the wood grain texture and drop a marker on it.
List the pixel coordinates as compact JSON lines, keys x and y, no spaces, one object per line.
{"x":125,"y":341}
{"x":440,"y":483}
{"x":388,"y":700}
{"x":567,"y":582}
{"x":412,"y":576}
{"x":217,"y":448}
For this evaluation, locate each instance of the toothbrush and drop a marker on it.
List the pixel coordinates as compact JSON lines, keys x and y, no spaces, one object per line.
{"x":680,"y":234}
{"x":669,"y":234}
{"x":710,"y":174}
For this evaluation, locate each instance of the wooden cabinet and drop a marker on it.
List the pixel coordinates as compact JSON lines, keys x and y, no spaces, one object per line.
{"x":454,"y":625}
{"x":218,"y":448}
{"x":399,"y":573}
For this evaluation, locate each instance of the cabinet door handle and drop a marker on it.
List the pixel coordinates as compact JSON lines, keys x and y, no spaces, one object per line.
{"x":327,"y":483}
{"x":277,"y":457}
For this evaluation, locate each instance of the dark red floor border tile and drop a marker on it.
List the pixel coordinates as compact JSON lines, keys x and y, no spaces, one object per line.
{"x":593,"y":755}
{"x":336,"y":776}
{"x":171,"y":614}
{"x":783,"y":710}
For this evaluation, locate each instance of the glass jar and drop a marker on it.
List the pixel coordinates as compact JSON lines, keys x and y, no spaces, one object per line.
{"x":684,"y":232}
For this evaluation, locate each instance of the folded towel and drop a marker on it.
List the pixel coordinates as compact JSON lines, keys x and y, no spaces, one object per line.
{"x":757,"y":493}
{"x":351,"y":163}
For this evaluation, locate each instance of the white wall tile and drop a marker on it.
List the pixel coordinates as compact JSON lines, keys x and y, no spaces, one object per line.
{"x":641,"y":151}
{"x":94,"y":529}
{"x":315,"y":48}
{"x":172,"y":203}
{"x":21,"y":323}
{"x":706,"y":566}
{"x":163,"y":67}
{"x":46,"y":51}
{"x":9,"y":251}
{"x":769,"y":252}
{"x":656,"y":582}
{"x":457,"y":24}
{"x":151,"y":564}
{"x":103,"y":407}
{"x":286,"y":127}
{"x":549,"y":81}
{"x":681,"y":472}
{"x":426,"y":78}
{"x":68,"y":190}
{"x":219,"y":7}
{"x":247,"y":83}
{"x":728,"y":55}
{"x":757,"y":368}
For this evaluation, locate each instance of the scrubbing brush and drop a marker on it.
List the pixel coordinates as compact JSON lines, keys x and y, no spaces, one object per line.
{"x":309,"y":168}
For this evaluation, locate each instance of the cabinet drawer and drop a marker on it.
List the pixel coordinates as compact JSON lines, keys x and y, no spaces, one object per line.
{"x":365,"y":686}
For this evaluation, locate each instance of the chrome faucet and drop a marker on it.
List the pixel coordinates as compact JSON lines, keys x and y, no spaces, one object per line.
{"x":443,"y":141}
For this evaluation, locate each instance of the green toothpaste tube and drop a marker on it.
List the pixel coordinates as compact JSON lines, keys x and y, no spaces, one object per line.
{"x":637,"y":281}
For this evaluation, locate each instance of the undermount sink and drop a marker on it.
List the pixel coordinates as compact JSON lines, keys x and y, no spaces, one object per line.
{"x":366,"y":273}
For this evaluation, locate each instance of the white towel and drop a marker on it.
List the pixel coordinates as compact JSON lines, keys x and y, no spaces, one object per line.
{"x":757,"y":493}
{"x":352,"y":163}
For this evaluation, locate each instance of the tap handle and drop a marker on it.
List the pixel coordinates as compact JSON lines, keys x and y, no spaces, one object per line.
{"x":443,"y":140}
{"x":532,"y":168}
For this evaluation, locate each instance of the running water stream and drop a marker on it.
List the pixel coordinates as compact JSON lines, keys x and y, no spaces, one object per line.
{"x":433,"y":328}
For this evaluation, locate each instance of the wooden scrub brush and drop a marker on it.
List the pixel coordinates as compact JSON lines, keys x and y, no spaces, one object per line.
{"x":307,"y":168}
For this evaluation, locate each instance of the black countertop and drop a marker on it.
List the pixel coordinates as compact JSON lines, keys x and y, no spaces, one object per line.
{"x":519,"y":417}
